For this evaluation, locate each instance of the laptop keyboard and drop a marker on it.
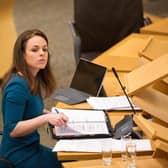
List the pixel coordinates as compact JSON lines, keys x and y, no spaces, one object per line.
{"x":71,"y":96}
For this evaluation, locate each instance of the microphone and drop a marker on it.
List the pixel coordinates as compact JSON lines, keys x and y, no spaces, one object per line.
{"x":125,"y":126}
{"x":123,"y":88}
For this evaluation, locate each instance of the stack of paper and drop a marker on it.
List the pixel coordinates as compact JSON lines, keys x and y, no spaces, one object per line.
{"x":95,"y":145}
{"x":110,"y":103}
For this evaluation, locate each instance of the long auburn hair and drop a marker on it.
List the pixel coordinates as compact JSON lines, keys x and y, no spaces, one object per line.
{"x":44,"y":83}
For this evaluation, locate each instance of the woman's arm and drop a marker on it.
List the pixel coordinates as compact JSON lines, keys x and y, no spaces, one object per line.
{"x":26,"y":127}
{"x":45,"y":111}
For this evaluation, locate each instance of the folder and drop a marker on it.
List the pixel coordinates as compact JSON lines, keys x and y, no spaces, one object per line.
{"x":91,"y":124}
{"x":83,"y":124}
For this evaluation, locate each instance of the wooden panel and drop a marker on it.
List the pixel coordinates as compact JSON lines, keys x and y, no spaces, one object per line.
{"x":156,"y":47}
{"x":147,"y":74}
{"x":151,"y":129}
{"x":161,"y":86}
{"x":161,"y":149}
{"x":145,"y":126}
{"x":153,"y":102}
{"x":89,"y":156}
{"x":121,"y":63}
{"x":160,"y":27}
{"x":117,"y":163}
{"x":7,"y":34}
{"x":160,"y":132}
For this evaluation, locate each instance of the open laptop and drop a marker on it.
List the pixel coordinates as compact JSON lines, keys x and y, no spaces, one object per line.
{"x":87,"y":81}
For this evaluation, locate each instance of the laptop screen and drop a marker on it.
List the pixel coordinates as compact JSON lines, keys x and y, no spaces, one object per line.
{"x":88,"y":77}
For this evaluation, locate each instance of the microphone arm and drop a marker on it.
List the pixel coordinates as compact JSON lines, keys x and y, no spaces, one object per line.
{"x":123,"y":88}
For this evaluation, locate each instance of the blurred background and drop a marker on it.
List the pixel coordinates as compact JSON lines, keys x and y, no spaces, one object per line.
{"x":53,"y":18}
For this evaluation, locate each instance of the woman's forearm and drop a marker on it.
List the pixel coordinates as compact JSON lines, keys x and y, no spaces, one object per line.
{"x":26,"y":127}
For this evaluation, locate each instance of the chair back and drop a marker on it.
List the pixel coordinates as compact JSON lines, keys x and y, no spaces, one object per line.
{"x":101,"y":24}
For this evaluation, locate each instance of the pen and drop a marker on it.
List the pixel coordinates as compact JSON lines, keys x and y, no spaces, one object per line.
{"x":56,"y":111}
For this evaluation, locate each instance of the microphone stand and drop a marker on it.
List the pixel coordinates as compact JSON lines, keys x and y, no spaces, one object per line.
{"x":123,"y":89}
{"x":126,"y":125}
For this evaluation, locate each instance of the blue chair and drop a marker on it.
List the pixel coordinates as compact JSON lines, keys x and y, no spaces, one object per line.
{"x":5,"y":163}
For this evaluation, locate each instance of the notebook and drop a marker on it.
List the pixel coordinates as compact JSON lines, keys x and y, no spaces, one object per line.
{"x":87,"y":81}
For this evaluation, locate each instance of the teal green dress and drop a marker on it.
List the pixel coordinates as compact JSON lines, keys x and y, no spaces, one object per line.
{"x":19,"y":104}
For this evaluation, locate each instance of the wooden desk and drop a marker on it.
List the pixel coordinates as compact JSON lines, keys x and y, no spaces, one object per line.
{"x":124,"y":56}
{"x":130,"y":48}
{"x":158,"y":28}
{"x":114,"y":118}
{"x":141,"y":162}
{"x":76,"y":156}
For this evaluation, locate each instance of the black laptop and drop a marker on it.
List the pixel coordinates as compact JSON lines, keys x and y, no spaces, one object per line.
{"x":87,"y":81}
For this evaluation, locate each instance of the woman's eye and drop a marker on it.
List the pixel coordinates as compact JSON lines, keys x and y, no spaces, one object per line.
{"x":34,"y":50}
{"x":45,"y":49}
{"x":38,"y":49}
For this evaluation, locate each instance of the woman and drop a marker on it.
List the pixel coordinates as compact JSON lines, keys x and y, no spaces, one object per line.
{"x":28,"y":80}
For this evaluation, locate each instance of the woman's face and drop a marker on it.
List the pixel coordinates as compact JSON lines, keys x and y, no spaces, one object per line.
{"x":36,"y":54}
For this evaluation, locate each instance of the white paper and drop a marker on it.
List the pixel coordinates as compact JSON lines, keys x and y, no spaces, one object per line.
{"x":95,"y":145}
{"x":110,"y":103}
{"x":83,"y":145}
{"x":82,"y":122}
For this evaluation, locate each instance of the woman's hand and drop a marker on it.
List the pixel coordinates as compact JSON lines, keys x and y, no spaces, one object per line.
{"x":59,"y":119}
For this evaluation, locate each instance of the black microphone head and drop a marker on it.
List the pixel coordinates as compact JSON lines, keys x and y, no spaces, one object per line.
{"x":115,"y":73}
{"x":113,"y":69}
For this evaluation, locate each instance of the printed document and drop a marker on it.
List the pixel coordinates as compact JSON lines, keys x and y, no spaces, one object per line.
{"x":110,"y":103}
{"x":95,"y":145}
{"x":82,"y":122}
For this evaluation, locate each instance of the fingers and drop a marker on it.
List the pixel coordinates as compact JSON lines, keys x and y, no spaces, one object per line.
{"x":59,"y":119}
{"x":62,"y":120}
{"x":64,"y":117}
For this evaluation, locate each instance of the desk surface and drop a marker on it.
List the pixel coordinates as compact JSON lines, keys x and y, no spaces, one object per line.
{"x":124,"y":56}
{"x":160,"y":28}
{"x":142,"y":162}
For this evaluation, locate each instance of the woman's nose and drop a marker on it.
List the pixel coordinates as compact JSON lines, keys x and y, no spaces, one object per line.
{"x":42,"y":52}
